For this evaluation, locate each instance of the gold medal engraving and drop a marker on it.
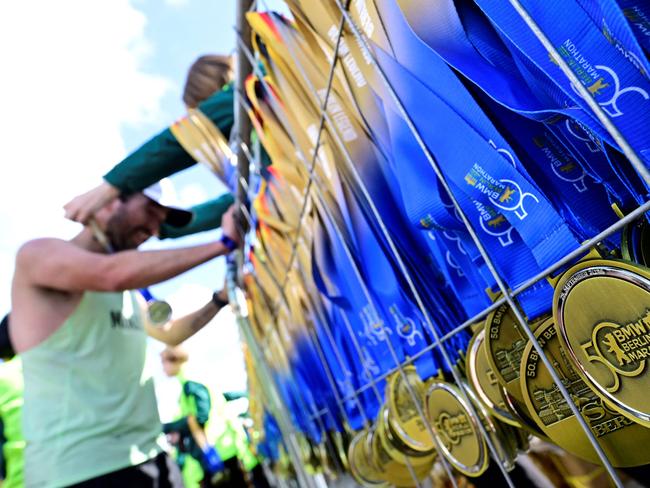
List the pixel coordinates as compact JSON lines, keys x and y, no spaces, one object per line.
{"x":602,"y":309}
{"x":504,"y":345}
{"x":403,"y":415}
{"x":456,"y":428}
{"x":485,"y":383}
{"x":618,"y":436}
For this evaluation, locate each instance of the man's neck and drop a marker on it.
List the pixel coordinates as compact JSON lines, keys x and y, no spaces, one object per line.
{"x":87,"y":240}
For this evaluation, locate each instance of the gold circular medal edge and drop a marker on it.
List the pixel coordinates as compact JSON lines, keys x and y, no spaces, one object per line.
{"x":392,"y":386}
{"x":358,"y":443}
{"x":507,"y":416}
{"x":483,"y":462}
{"x":488,"y":321}
{"x":492,"y":428}
{"x":562,"y":291}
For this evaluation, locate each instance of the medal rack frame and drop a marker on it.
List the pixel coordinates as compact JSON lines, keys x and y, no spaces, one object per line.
{"x":248,"y":158}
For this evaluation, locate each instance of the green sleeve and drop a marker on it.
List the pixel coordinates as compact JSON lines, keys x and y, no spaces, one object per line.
{"x":234,"y":395}
{"x":163,"y":156}
{"x":201,"y":397}
{"x":207,"y":216}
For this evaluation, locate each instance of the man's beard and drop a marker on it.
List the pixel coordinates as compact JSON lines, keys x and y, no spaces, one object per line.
{"x":116,"y":235}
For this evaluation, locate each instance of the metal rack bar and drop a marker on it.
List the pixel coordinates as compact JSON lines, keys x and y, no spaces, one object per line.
{"x":242,"y":123}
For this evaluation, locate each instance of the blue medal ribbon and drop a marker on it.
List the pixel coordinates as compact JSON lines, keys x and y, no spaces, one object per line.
{"x":606,"y":62}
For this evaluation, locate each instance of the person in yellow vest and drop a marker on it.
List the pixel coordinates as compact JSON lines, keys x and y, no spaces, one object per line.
{"x":207,"y":442}
{"x":12,"y":441}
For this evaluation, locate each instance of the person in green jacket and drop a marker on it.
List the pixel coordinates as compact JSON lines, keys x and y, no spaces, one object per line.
{"x":208,"y":90}
{"x":207,"y":442}
{"x":12,"y":441}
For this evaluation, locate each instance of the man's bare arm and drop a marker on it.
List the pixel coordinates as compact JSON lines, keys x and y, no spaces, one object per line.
{"x":178,"y":330}
{"x":60,"y":265}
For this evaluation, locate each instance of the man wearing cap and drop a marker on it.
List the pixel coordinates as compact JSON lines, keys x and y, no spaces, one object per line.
{"x":90,"y":415}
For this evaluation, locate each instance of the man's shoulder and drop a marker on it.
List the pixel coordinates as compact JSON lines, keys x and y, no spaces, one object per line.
{"x":39,"y":246}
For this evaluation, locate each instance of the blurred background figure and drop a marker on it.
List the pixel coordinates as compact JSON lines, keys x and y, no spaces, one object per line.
{"x":11,"y":438}
{"x":211,"y":446}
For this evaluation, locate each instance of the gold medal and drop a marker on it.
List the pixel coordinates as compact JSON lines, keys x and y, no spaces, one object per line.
{"x":404,"y":419}
{"x":619,"y":437}
{"x":461,"y":442}
{"x":482,"y":379}
{"x":500,"y":434}
{"x":504,"y":344}
{"x":392,"y":443}
{"x":395,"y":448}
{"x":602,"y":311}
{"x":361,"y":467}
{"x":392,"y":466}
{"x":341,"y":450}
{"x":159,"y":312}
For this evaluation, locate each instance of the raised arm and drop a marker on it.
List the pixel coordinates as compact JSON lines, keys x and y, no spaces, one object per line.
{"x":158,"y":158}
{"x":60,"y":265}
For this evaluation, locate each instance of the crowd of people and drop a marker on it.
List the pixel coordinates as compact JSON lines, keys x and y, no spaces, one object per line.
{"x":77,"y":403}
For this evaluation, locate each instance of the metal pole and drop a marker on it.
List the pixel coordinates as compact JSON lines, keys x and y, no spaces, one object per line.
{"x":242,"y":122}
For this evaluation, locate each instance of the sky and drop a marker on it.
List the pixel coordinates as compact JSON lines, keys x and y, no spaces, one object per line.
{"x":84,"y":83}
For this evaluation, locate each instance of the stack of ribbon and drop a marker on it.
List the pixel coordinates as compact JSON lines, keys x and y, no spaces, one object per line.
{"x":428,"y":157}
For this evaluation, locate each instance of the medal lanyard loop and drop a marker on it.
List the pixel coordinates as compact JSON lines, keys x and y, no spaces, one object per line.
{"x":313,"y":159}
{"x":466,"y":40}
{"x":292,"y":253}
{"x":261,"y":77}
{"x":483,"y":167}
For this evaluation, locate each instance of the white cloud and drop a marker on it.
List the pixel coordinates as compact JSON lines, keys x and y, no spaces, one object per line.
{"x":71,"y":79}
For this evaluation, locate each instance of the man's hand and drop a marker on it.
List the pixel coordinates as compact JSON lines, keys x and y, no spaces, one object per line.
{"x":83,"y":207}
{"x":230,"y":226}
